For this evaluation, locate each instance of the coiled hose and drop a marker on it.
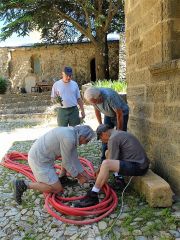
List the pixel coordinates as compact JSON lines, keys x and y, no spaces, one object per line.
{"x":57,"y":205}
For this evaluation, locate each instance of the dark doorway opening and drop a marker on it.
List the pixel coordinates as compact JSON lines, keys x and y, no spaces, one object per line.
{"x":93,"y":70}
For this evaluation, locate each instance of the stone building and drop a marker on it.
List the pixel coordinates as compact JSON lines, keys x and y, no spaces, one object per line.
{"x":25,"y":66}
{"x":153,"y":77}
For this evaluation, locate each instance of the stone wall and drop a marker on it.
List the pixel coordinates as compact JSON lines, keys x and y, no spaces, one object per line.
{"x":153,"y":77}
{"x":29,"y":65}
{"x":4,"y":62}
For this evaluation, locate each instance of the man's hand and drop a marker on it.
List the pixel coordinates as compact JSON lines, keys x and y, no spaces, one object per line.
{"x":83,"y":177}
{"x":83,"y":114}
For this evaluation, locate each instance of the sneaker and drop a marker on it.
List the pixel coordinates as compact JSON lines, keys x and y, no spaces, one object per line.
{"x":90,"y":200}
{"x":65,"y":181}
{"x":19,"y":188}
{"x":119,"y":183}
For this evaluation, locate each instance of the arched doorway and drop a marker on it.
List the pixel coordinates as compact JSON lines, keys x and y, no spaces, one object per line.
{"x":93,"y":70}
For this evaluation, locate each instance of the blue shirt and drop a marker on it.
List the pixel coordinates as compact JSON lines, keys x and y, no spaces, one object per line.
{"x":111,"y":101}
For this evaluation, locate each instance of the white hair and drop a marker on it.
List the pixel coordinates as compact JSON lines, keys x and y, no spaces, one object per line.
{"x":85,"y":131}
{"x":92,"y":92}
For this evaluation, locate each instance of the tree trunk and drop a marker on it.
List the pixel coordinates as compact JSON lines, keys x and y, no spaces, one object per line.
{"x":106,"y":58}
{"x":101,"y":58}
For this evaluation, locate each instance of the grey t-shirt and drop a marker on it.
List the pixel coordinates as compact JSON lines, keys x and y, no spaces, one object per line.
{"x":111,"y":101}
{"x":126,"y":147}
{"x":60,"y":141}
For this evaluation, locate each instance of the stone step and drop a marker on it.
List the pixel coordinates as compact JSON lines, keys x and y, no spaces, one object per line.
{"x":156,"y":190}
{"x":37,"y":103}
{"x":6,"y":95}
{"x":27,"y":117}
{"x":23,"y":98}
{"x":6,"y":126}
{"x":30,"y":109}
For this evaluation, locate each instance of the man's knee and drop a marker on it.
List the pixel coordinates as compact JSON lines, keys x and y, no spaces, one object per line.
{"x":105,"y":164}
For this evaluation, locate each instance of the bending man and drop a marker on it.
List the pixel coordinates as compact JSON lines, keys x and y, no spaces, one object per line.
{"x":126,"y":156}
{"x":114,"y":108}
{"x":60,"y":141}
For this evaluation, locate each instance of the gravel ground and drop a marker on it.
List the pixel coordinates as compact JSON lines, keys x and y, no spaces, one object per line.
{"x":30,"y":221}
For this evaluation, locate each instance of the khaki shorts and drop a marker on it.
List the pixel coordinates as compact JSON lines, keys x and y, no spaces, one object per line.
{"x":45,"y":174}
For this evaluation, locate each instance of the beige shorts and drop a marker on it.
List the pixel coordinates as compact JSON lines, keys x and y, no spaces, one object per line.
{"x":45,"y":174}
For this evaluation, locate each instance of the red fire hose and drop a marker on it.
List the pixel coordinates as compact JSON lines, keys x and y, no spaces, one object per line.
{"x":56,"y":205}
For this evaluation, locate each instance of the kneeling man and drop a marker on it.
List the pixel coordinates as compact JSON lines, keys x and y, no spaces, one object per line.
{"x":60,"y":141}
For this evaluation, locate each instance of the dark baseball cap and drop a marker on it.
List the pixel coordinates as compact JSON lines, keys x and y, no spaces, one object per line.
{"x":68,"y":71}
{"x":102,"y":128}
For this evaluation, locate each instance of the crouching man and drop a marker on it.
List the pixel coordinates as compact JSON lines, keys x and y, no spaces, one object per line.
{"x":126,"y":156}
{"x":60,"y":141}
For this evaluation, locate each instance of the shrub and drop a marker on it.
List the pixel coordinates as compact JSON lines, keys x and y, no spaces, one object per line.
{"x":118,"y":86}
{"x":3,"y":85}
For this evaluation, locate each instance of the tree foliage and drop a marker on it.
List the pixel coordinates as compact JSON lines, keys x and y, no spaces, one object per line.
{"x":65,"y":20}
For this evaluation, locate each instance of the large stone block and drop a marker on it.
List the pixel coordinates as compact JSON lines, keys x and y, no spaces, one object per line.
{"x":174,"y":172}
{"x":134,"y":46}
{"x":170,"y":171}
{"x":136,"y":93}
{"x":146,"y":6}
{"x":157,"y":93}
{"x":135,"y":78}
{"x":155,"y":189}
{"x":142,"y":110}
{"x":163,"y":112}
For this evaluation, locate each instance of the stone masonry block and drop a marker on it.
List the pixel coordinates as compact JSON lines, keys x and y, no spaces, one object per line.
{"x":174,"y":172}
{"x":147,"y":5}
{"x":157,"y":93}
{"x":142,"y":110}
{"x":136,"y":93}
{"x":155,"y":189}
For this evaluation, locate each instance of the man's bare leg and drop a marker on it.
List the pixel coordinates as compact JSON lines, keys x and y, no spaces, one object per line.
{"x":107,"y":166}
{"x":43,"y":187}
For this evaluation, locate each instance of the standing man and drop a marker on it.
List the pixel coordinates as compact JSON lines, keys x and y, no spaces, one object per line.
{"x":126,"y":156}
{"x":60,"y":141}
{"x":66,"y":92}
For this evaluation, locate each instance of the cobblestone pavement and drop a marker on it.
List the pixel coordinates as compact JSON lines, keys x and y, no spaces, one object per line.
{"x":30,"y":221}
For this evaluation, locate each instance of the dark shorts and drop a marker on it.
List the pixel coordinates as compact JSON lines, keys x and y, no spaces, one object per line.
{"x":131,"y":169}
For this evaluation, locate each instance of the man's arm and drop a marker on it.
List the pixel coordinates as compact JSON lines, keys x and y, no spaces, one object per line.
{"x":119,"y":116}
{"x":53,"y":94}
{"x":80,"y":103}
{"x":98,"y":115}
{"x":69,"y":156}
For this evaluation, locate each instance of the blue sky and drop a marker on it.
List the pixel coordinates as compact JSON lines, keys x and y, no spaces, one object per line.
{"x":14,"y":40}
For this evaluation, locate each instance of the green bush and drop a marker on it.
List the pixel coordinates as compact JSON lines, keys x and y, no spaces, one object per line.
{"x":118,"y":86}
{"x":3,"y":85}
